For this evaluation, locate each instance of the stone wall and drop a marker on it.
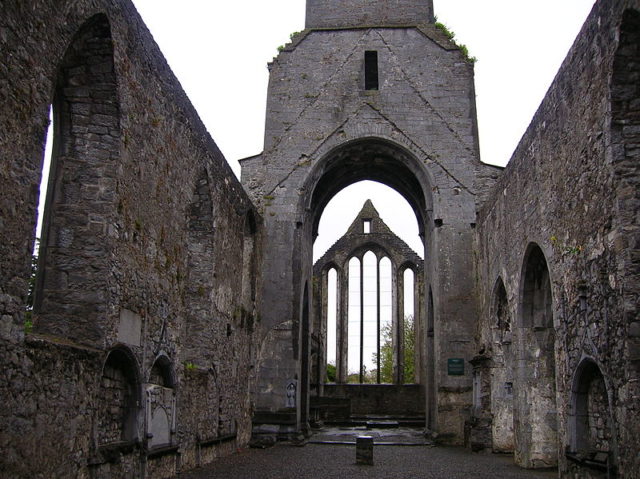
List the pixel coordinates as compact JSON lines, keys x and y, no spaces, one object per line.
{"x":416,"y":133}
{"x":395,"y":400}
{"x":145,"y":253}
{"x":337,"y":13}
{"x":570,"y":193}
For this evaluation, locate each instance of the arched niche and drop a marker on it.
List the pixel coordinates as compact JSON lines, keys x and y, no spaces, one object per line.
{"x":71,"y":283}
{"x":501,"y":320}
{"x":591,"y":435}
{"x":118,"y":398}
{"x":503,"y":370}
{"x":161,"y":372}
{"x":160,"y":404}
{"x":535,"y":421}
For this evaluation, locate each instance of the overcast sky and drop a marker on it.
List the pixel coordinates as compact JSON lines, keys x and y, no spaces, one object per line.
{"x":219,"y":52}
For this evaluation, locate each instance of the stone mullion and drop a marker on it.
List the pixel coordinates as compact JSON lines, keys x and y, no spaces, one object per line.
{"x":397,"y":327}
{"x":342,"y":324}
{"x":378,"y":318}
{"x":361,"y":319}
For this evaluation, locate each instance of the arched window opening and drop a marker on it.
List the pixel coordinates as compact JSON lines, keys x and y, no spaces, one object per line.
{"x":385,"y":358}
{"x":407,"y":329}
{"x":354,"y":320}
{"x":332,"y":323}
{"x":118,"y":399}
{"x":70,"y":283}
{"x":160,"y":404}
{"x":370,"y":318}
{"x":368,"y":310}
{"x":42,"y":195}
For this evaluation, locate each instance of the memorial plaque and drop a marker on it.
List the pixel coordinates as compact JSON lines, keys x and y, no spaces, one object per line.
{"x":455,"y":366}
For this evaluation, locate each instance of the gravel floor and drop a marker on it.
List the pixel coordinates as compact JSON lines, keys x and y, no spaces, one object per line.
{"x":328,"y":461}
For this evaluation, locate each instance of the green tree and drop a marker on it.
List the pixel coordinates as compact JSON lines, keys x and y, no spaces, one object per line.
{"x":331,"y":373}
{"x":386,"y":352}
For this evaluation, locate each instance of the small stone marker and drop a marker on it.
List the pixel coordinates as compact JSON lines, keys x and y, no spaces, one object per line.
{"x":364,"y":450}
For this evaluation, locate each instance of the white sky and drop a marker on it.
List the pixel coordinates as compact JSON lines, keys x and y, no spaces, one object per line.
{"x":219,"y":51}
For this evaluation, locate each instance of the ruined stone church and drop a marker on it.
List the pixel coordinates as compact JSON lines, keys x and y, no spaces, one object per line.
{"x":174,"y":313}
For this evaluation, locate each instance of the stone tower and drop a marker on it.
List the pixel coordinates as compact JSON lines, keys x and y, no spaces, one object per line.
{"x":370,"y":90}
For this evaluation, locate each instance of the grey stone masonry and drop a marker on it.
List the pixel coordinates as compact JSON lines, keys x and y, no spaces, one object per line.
{"x":570,"y":192}
{"x":416,"y":132}
{"x":338,"y":13}
{"x":143,"y":258}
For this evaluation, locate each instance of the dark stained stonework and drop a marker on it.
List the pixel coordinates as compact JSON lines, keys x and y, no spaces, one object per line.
{"x":140,"y":267}
{"x":571,"y":192}
{"x":175,"y":310}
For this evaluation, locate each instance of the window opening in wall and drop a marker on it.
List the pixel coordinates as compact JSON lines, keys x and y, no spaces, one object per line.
{"x":74,"y":250}
{"x":332,"y":309}
{"x":354,"y":317}
{"x":42,"y":196}
{"x":370,"y":70}
{"x":375,"y":348}
{"x":44,"y":179}
{"x":370,"y":318}
{"x":407,"y":332}
{"x":361,"y":344}
{"x":385,"y":345}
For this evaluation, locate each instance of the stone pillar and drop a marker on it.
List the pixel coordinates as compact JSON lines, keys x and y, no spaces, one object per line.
{"x":364,"y":450}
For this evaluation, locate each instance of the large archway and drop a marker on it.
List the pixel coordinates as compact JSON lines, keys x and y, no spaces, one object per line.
{"x":385,"y":162}
{"x":328,"y":132}
{"x":368,"y":159}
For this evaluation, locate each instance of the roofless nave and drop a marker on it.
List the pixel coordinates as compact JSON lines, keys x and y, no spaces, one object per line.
{"x":175,"y":313}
